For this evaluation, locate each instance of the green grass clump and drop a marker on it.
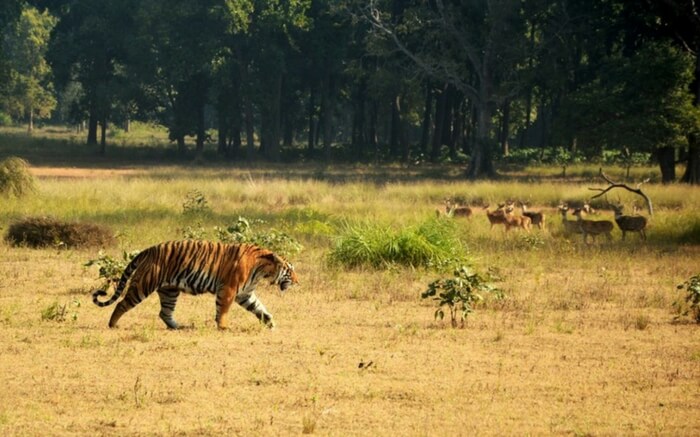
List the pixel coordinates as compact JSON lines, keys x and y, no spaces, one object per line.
{"x":15,"y":178}
{"x":432,"y":244}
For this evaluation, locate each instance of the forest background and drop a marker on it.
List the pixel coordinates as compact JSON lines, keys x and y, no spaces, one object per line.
{"x":473,"y":82}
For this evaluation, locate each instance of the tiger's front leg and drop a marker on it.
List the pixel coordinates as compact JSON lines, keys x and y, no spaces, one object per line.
{"x":251,"y":303}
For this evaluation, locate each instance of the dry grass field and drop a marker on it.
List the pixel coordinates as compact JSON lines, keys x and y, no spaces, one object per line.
{"x":584,"y":344}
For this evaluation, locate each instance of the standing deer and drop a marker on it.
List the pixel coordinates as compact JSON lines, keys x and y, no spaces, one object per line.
{"x":455,"y":210}
{"x":630,"y":223}
{"x":516,"y":221}
{"x":593,"y":227}
{"x":497,"y":217}
{"x":570,"y":226}
{"x":536,"y":217}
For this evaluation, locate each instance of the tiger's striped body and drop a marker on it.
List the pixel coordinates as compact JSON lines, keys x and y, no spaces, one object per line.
{"x":230,"y":271}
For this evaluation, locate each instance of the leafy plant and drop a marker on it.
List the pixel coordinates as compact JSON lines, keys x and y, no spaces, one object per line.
{"x":691,"y":304}
{"x":110,"y":269}
{"x":58,"y":312}
{"x":196,"y":232}
{"x":459,"y":294}
{"x":242,"y":232}
{"x":195,"y":204}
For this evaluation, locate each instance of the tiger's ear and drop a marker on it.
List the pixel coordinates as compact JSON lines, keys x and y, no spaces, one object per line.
{"x":271,"y":257}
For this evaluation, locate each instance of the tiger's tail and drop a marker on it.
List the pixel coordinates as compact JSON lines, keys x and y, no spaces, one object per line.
{"x":128,"y":271}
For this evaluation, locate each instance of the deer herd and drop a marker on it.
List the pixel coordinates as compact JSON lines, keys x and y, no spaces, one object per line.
{"x":583,"y":223}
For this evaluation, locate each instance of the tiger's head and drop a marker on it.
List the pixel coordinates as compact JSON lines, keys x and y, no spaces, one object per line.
{"x":281,"y":272}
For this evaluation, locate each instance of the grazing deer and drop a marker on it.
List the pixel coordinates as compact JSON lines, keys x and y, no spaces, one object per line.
{"x":536,"y":217}
{"x":593,"y":227}
{"x":497,"y":217}
{"x":630,"y":223}
{"x":456,"y":210}
{"x":516,"y":221}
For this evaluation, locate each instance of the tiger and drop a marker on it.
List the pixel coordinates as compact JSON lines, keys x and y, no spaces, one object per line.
{"x":230,"y":271}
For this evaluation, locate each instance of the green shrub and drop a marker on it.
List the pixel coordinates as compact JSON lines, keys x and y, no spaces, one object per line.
{"x":195,"y":204}
{"x":58,"y":313}
{"x":432,"y":244}
{"x":5,"y":119}
{"x":690,"y":305}
{"x":459,"y":294}
{"x":15,"y":178}
{"x":110,"y":269}
{"x":242,"y":232}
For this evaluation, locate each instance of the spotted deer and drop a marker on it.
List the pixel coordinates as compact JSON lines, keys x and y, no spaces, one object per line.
{"x":516,"y":221}
{"x":455,"y":210}
{"x":536,"y":217}
{"x":593,"y":227}
{"x":496,"y":217}
{"x":570,"y":226}
{"x":630,"y":223}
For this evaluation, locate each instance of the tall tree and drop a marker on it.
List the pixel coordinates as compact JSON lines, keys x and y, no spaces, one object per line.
{"x":86,"y":49}
{"x":481,"y":46}
{"x":29,"y":92}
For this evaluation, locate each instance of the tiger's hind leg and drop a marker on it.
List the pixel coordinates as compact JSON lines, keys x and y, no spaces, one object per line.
{"x":134,"y":296}
{"x":251,"y":303}
{"x":168,"y":300}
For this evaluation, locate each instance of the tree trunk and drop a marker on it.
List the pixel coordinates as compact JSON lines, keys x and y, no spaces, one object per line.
{"x":247,"y":113}
{"x":440,"y":104}
{"x":92,"y":127}
{"x":181,"y":148}
{"x":692,"y":169}
{"x":395,"y":128}
{"x":481,"y":163}
{"x":103,"y":136}
{"x":201,"y":134}
{"x":311,"y":114}
{"x":30,"y":127}
{"x":667,"y":163}
{"x":425,"y":125}
{"x":327,"y":106}
{"x":372,"y":128}
{"x":505,"y":128}
{"x":358,"y":120}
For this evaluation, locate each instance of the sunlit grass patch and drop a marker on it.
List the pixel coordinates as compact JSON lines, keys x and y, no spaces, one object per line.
{"x":430,"y":244}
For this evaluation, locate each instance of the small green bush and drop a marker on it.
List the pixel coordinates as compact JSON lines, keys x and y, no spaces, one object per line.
{"x":15,"y":178}
{"x":195,"y":204}
{"x":459,"y":294}
{"x":432,"y":244}
{"x":59,"y":313}
{"x":690,"y":305}
{"x":111,"y":268}
{"x":242,"y":232}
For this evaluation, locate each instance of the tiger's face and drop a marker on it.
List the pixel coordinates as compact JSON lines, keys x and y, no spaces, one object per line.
{"x":281,"y":272}
{"x":287,"y":276}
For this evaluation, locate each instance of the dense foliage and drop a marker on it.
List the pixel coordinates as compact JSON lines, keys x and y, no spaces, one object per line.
{"x":356,"y":80}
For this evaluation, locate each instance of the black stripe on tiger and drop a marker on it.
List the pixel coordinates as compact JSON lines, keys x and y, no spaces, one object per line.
{"x":230,"y":271}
